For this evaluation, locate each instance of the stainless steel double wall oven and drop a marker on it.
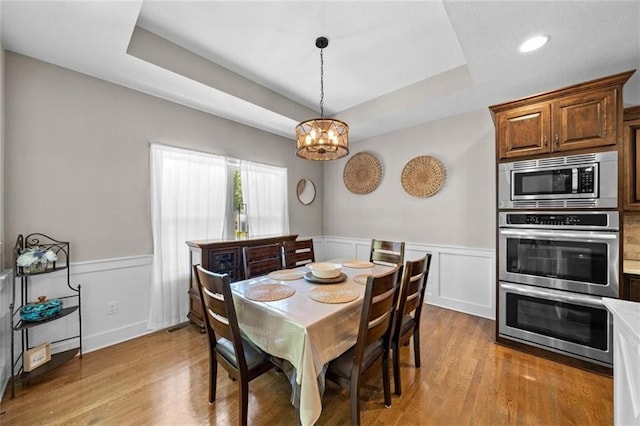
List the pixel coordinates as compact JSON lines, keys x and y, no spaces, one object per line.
{"x":556,"y":265}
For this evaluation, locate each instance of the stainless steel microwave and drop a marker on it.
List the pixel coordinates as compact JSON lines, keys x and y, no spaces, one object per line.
{"x":576,"y":181}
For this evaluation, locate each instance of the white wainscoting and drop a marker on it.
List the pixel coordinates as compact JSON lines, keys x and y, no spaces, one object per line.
{"x":125,"y":281}
{"x":462,"y":279}
{"x":5,"y":329}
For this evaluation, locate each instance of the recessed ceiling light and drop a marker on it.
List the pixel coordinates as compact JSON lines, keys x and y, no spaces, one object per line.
{"x":534,"y":43}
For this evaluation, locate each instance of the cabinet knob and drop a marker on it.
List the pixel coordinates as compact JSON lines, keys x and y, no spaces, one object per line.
{"x":544,"y":143}
{"x":557,"y":139}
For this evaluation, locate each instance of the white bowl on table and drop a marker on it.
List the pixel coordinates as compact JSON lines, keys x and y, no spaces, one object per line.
{"x":325,"y":269}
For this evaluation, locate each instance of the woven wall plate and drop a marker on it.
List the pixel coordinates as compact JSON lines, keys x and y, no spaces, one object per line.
{"x":423,"y":176}
{"x":362,"y":173}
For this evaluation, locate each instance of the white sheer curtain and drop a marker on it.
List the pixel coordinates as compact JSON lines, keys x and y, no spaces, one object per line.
{"x":264,"y":190}
{"x":188,"y":202}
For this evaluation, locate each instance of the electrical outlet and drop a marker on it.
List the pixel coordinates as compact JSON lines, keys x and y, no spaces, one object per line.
{"x":112,"y":307}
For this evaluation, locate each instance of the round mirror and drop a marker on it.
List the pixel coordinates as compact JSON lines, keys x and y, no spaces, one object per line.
{"x":306,"y":191}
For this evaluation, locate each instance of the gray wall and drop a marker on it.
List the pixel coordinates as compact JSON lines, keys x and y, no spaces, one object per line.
{"x":461,"y":214}
{"x":3,"y":242}
{"x":77,"y":158}
{"x":77,"y":167}
{"x":5,"y":278}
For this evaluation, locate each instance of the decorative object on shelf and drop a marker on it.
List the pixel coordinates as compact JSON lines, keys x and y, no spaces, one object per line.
{"x":40,"y":254}
{"x":35,"y":259}
{"x":322,"y":138}
{"x":306,"y":191}
{"x":362,"y":173}
{"x":37,"y":356}
{"x":423,"y":176}
{"x":40,"y":310}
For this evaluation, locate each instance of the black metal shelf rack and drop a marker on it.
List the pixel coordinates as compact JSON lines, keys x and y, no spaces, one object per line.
{"x":20,"y":329}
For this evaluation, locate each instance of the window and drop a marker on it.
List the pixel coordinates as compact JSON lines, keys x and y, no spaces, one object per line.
{"x":240,"y":219}
{"x":188,"y":202}
{"x":196,"y":196}
{"x":264,"y":193}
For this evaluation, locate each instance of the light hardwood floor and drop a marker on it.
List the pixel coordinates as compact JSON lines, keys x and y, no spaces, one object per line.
{"x":465,"y":379}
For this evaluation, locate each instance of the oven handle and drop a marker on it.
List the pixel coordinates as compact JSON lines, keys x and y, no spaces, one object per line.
{"x":572,"y":298}
{"x":556,"y":234}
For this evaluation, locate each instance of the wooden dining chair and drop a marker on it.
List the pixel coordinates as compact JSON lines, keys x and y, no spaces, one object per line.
{"x":242,"y":361}
{"x":407,"y":323}
{"x":298,"y":253}
{"x":260,"y":260}
{"x":390,"y":253}
{"x":371,"y":350}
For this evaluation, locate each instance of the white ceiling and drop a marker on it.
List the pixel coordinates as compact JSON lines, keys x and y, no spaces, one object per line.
{"x":389,"y":65}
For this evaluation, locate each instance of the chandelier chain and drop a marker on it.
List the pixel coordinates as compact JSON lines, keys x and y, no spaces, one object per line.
{"x":322,"y":138}
{"x":321,"y":84}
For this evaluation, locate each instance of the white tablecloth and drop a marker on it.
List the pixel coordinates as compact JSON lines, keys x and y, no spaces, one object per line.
{"x":306,"y":333}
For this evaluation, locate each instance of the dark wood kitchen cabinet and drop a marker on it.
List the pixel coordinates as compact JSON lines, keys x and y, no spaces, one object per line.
{"x":632,"y":284}
{"x":582,"y":116}
{"x":223,"y":257}
{"x":631,"y":140}
{"x":524,"y":130}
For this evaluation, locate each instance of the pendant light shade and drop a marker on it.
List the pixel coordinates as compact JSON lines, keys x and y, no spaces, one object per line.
{"x":322,"y":138}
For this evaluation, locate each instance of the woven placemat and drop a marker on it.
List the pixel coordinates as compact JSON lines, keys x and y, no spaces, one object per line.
{"x":269,"y":292}
{"x":361,"y":264}
{"x":333,"y":295}
{"x":423,"y":176}
{"x":286,"y":275}
{"x":361,"y":278}
{"x":362,"y":173}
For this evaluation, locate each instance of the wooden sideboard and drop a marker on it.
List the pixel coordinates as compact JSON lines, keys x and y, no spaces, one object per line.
{"x":223,"y":257}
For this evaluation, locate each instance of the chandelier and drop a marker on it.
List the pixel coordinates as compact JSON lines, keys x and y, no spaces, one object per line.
{"x":322,"y":138}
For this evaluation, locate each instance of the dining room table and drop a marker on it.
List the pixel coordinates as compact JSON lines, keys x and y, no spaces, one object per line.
{"x":307,"y":321}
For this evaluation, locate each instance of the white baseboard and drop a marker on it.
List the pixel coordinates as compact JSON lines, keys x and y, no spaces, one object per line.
{"x":115,"y":336}
{"x":123,"y":280}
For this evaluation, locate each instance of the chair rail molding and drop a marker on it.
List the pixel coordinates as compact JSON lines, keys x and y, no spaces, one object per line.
{"x":460,"y":278}
{"x":125,"y":281}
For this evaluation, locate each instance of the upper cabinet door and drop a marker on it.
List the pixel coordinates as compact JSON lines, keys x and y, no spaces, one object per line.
{"x":524,"y":131}
{"x":585,"y":120}
{"x":631,"y":163}
{"x":578,"y":117}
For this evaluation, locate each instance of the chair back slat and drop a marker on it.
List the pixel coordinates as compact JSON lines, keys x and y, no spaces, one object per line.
{"x":260,"y":260}
{"x":217,"y":314}
{"x":220,"y":312}
{"x":389,"y":253}
{"x":377,"y":311}
{"x":412,"y":289}
{"x":298,"y":253}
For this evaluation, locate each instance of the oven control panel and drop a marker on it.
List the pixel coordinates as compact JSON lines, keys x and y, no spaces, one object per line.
{"x":573,"y":220}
